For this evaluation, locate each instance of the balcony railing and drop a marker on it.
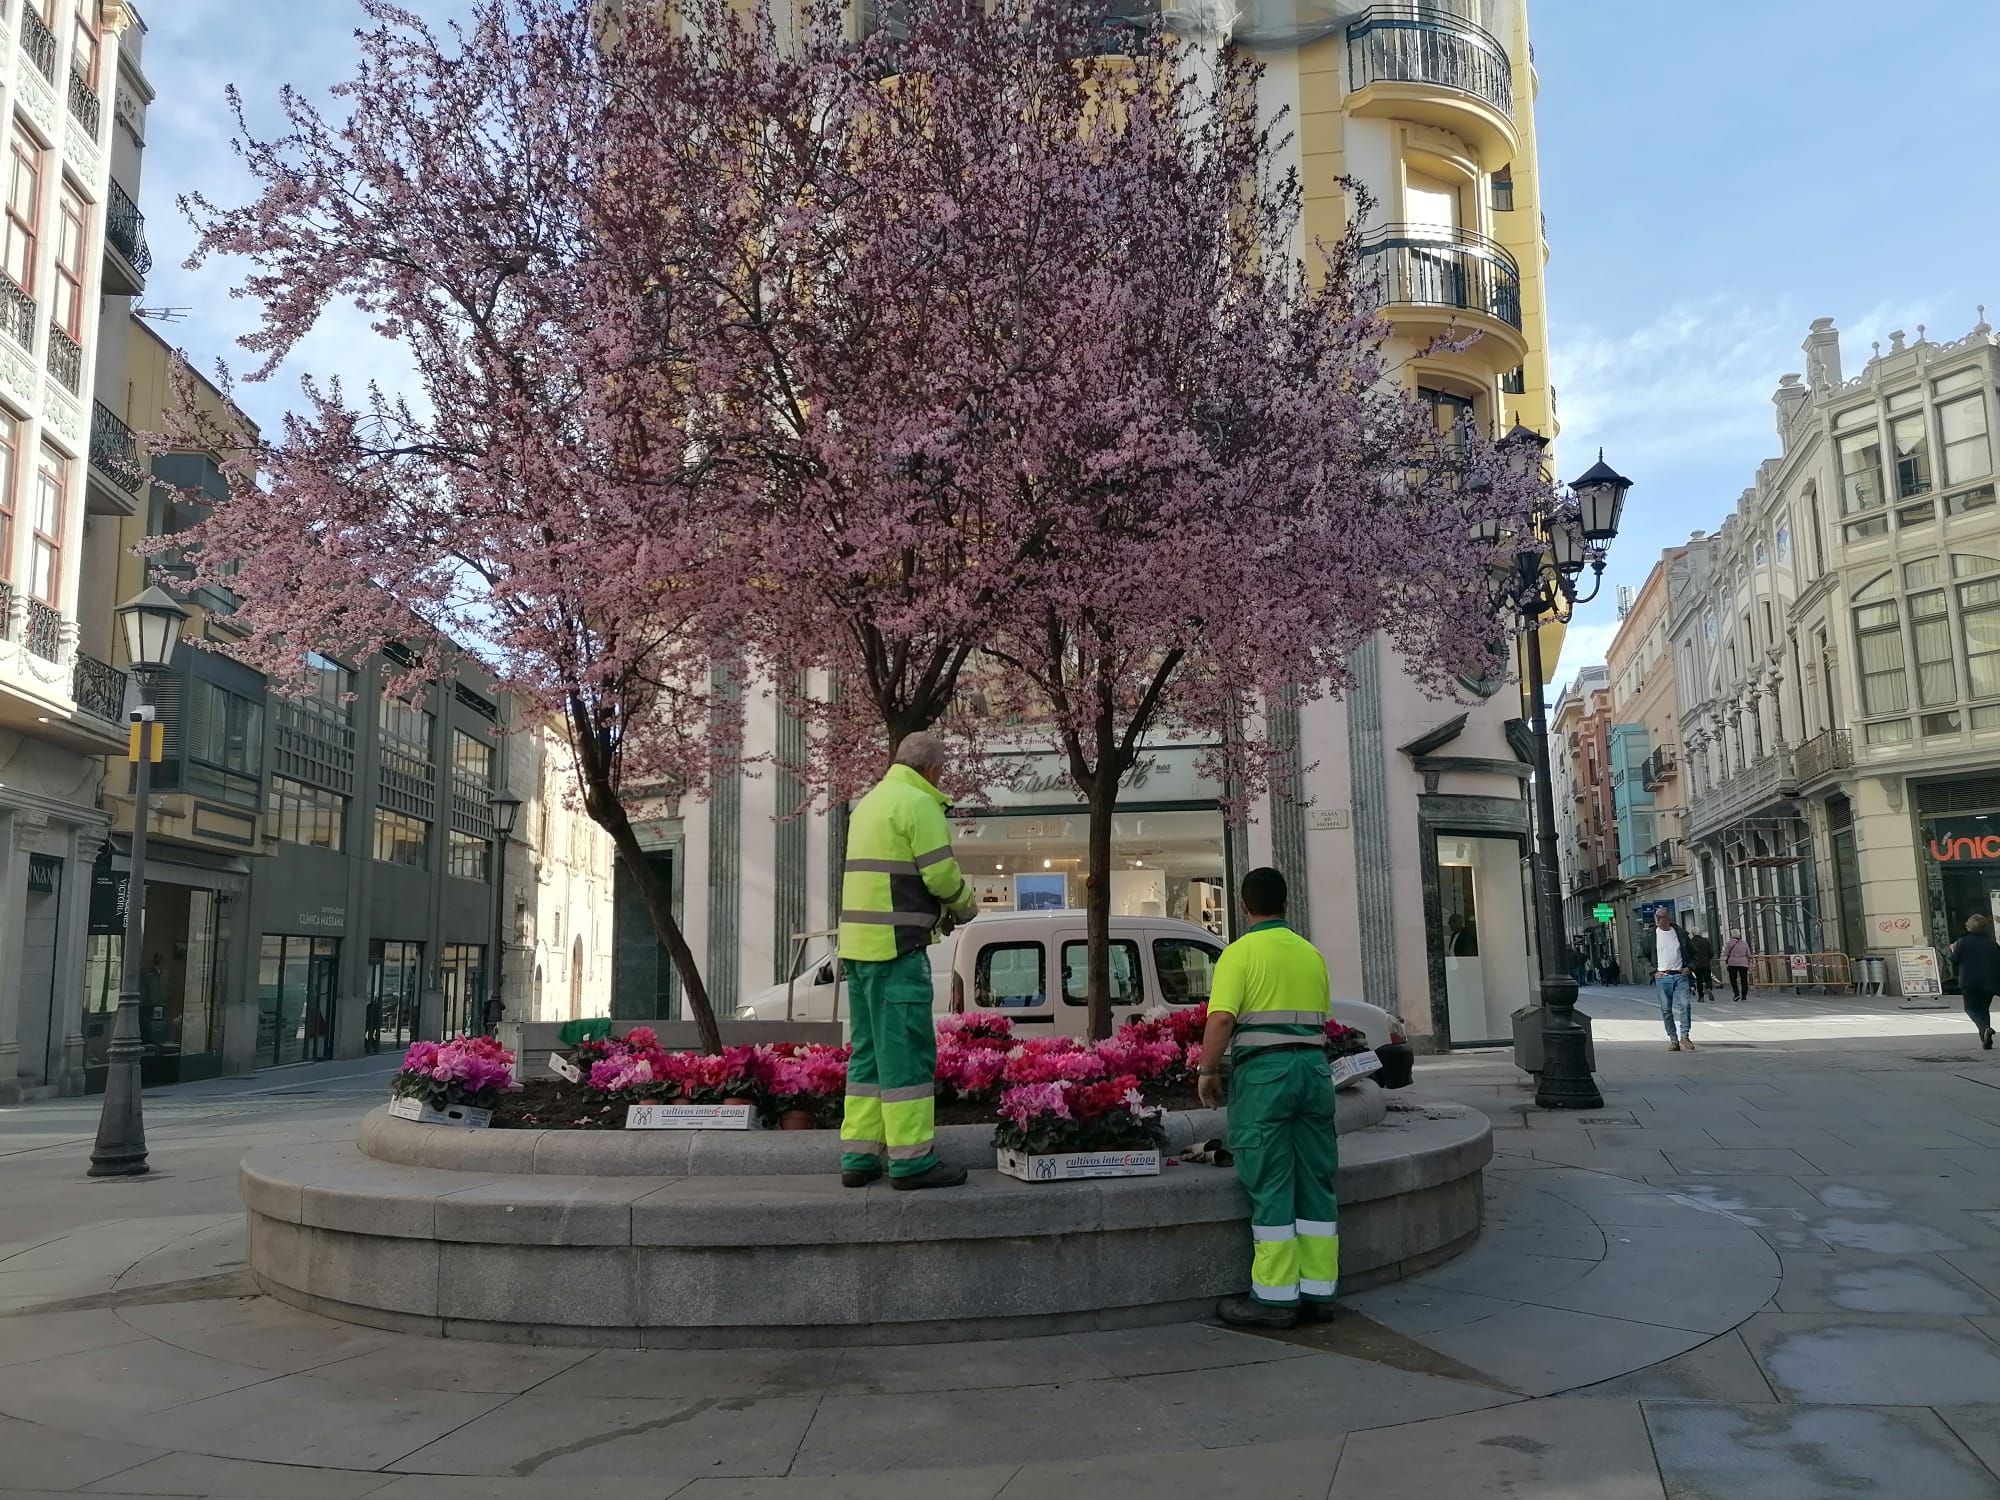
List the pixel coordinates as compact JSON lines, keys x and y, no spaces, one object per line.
{"x":125,"y":229}
{"x":99,"y":689}
{"x":17,"y":312}
{"x":1417,"y":265}
{"x":1419,"y":44}
{"x":1664,"y":855}
{"x":1660,"y":766}
{"x":38,"y":41}
{"x":114,"y":449}
{"x":42,"y":632}
{"x":65,"y":358}
{"x":1824,"y":754}
{"x":84,"y":105}
{"x":1770,"y":778}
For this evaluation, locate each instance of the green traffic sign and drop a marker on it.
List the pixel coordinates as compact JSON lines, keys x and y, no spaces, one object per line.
{"x":1602,"y":911}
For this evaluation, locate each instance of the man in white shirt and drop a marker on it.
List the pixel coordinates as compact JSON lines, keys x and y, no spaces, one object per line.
{"x":1672,"y":968}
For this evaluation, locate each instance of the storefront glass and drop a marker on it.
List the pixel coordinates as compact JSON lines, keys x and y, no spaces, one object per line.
{"x":297,"y":980}
{"x":1483,"y":906}
{"x":181,"y":978}
{"x":462,"y":977}
{"x":1961,"y":862}
{"x":1164,"y":864}
{"x":395,"y":991}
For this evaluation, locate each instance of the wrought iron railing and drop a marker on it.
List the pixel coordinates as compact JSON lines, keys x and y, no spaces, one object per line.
{"x":99,"y":689}
{"x":65,"y":358}
{"x":38,"y":41}
{"x":114,"y":449}
{"x":1415,"y":264}
{"x":42,"y":631}
{"x":1769,"y":778}
{"x":1824,"y":754}
{"x":1660,"y":765}
{"x":1421,"y":44}
{"x":84,"y":104}
{"x":125,"y":229}
{"x":17,"y":311}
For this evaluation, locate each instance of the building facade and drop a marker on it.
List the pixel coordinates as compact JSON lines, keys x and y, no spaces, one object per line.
{"x":1407,"y":837}
{"x":1586,"y":816}
{"x":564,"y":962}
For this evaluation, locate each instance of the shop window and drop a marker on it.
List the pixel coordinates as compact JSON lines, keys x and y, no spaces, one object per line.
{"x":402,"y":840}
{"x":1127,"y":987}
{"x":395,"y":993}
{"x":297,"y":980}
{"x":462,"y":978}
{"x":1011,"y":976}
{"x":1186,"y":970}
{"x":1967,"y":452}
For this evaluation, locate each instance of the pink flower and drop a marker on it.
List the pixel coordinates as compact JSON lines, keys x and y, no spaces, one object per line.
{"x":1031,"y":1101}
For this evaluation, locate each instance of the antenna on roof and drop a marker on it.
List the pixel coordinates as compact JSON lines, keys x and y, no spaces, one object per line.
{"x":161,"y":314}
{"x":1624,"y":600}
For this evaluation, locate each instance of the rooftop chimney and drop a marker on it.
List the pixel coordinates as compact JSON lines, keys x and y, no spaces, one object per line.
{"x":1790,"y":399}
{"x":1822,"y":347}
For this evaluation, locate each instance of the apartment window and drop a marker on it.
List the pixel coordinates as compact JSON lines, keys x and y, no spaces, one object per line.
{"x":1503,"y":190}
{"x":1887,"y":732}
{"x":1818,"y":534}
{"x":1782,"y":540}
{"x":1861,"y":531}
{"x":1909,"y":441}
{"x":401,"y":840}
{"x":10,"y":470}
{"x":24,"y":208}
{"x":471,"y":758}
{"x":72,"y":232}
{"x":1770,"y":625}
{"x":51,"y":501}
{"x":1451,"y":415}
{"x":1860,"y":472}
{"x":468,"y":856}
{"x":412,"y":728}
{"x":309,"y":815}
{"x":1979,"y":620}
{"x":327,"y":685}
{"x":224,"y":730}
{"x":83,"y":60}
{"x":1930,"y":635}
{"x":1967,"y":452}
{"x":1879,"y":639}
{"x":1944,"y":723}
{"x":1977,"y":498}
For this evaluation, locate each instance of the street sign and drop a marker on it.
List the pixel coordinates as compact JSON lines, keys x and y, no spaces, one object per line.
{"x":1603,"y":912}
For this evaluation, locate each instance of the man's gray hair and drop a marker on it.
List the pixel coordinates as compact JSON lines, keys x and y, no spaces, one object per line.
{"x":921,"y":751}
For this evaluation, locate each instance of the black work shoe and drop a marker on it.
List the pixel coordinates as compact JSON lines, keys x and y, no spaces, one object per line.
{"x":935,"y":1176}
{"x":1248,"y":1312}
{"x":861,"y":1178}
{"x":1317,"y":1312}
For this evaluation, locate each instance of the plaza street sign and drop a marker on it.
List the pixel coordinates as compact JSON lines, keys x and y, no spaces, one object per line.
{"x":1603,"y":912}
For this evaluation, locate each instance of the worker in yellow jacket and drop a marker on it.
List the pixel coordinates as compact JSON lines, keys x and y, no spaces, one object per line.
{"x":901,"y":890}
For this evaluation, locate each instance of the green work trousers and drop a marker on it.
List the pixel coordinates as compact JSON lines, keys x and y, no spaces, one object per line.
{"x":1282,"y":1134}
{"x":892,"y":1076}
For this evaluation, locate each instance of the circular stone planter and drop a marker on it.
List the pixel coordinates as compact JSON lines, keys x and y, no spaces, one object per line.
{"x":705,"y":1238}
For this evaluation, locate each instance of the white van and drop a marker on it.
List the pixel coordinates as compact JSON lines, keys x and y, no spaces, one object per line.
{"x":1030,"y":967}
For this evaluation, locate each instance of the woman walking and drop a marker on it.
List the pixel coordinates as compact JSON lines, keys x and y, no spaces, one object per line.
{"x":1736,"y":958}
{"x":1977,"y":959}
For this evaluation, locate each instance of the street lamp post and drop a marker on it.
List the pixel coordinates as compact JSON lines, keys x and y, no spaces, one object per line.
{"x":506,"y":809}
{"x":1538,"y":584}
{"x":152,"y":622}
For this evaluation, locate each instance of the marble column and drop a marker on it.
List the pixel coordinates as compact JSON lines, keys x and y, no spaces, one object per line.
{"x":1374,"y":886}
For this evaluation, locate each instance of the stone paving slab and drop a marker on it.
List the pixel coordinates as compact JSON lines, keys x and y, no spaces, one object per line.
{"x":1925,"y":1285}
{"x":1810,"y":1453}
{"x":1599,"y":1450}
{"x":236,"y":1479}
{"x":1720,"y":1370}
{"x":1298,"y":1470}
{"x":1540,"y":1351}
{"x":1875,"y":1360}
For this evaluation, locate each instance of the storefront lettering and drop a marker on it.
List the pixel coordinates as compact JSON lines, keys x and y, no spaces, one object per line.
{"x":327,"y":917}
{"x":1963,"y":848}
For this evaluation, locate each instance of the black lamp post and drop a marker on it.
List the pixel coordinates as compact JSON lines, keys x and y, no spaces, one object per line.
{"x":152,"y":623}
{"x":506,"y":808}
{"x":1538,"y":584}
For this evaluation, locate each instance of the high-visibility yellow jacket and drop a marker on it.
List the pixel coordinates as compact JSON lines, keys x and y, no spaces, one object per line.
{"x":900,"y":876}
{"x":1274,"y":982}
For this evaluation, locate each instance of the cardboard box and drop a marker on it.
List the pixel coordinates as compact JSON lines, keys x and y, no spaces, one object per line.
{"x":409,"y":1107}
{"x":1071,"y":1166}
{"x":1356,"y":1066}
{"x":691,"y":1117}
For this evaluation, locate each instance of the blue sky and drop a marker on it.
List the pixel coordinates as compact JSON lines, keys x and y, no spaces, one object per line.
{"x":1717,"y":173}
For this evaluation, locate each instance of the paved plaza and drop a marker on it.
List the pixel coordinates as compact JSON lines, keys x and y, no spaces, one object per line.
{"x":1770,"y":1267}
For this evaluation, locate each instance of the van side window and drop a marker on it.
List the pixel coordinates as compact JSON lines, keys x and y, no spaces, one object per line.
{"x":1186,"y":969}
{"x":1126,"y":988}
{"x":1010,"y":976}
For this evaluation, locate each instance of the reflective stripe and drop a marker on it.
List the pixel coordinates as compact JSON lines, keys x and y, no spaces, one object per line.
{"x":880,"y":867}
{"x":1316,"y":1288}
{"x":1282,"y":1018}
{"x":1323,"y":1227}
{"x":863,"y":1090}
{"x":891,"y":918}
{"x":1273,"y":1293}
{"x":911,"y":1153}
{"x":909,"y":1095}
{"x":935,"y":857}
{"x":1243,"y":1043}
{"x":1269,"y":1232}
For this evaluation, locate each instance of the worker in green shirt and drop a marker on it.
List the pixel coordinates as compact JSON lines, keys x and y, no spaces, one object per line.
{"x":1268,"y":1011}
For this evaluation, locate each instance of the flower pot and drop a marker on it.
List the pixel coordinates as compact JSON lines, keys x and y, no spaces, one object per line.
{"x":739,"y":1099}
{"x":796,"y":1119}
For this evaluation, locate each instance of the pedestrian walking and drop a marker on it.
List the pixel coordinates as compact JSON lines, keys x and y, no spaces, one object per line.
{"x":1671,"y":975}
{"x":1703,"y":960}
{"x":1736,"y":958}
{"x":1977,"y":960}
{"x":900,"y":891}
{"x":1267,"y":1009}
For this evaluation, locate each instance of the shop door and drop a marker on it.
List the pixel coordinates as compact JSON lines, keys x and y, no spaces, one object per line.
{"x":322,"y":989}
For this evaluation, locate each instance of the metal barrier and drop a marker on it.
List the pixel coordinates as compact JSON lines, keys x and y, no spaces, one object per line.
{"x":1824,"y":972}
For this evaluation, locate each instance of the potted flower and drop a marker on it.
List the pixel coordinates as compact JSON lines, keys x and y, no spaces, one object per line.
{"x":1063,"y":1129}
{"x":451,"y":1083}
{"x":805,"y":1085}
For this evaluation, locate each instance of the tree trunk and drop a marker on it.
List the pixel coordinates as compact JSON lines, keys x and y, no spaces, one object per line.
{"x":1102,"y":797}
{"x":660,"y":907}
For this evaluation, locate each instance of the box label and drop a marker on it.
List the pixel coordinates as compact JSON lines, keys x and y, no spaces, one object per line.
{"x":691,"y":1117}
{"x":1356,"y":1066}
{"x":1070,"y":1166}
{"x":562,"y":1067}
{"x":410,"y":1107}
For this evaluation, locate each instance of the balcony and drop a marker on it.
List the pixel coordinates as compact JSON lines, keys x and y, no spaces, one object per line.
{"x":66,"y":359}
{"x":41,"y":631}
{"x":1771,"y":778}
{"x":1665,"y":857}
{"x":1434,"y":281}
{"x":1418,"y":62}
{"x":1660,"y":767}
{"x":17,"y":312}
{"x":84,"y":105}
{"x":1823,"y":755}
{"x":38,"y":41}
{"x":99,"y":689}
{"x":115,"y":476}
{"x":128,"y":259}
